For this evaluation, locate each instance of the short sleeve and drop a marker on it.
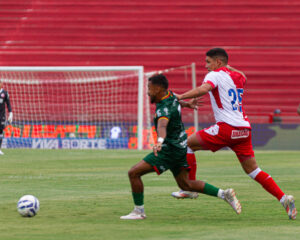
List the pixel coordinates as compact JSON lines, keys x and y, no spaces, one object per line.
{"x":163,"y":113}
{"x":211,"y":78}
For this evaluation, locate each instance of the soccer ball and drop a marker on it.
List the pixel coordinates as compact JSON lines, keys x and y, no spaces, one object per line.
{"x":28,"y":206}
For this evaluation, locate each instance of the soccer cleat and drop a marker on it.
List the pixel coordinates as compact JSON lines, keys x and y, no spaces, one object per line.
{"x":1,"y":153}
{"x":289,"y":205}
{"x":185,"y":194}
{"x":229,"y":196}
{"x":134,"y":215}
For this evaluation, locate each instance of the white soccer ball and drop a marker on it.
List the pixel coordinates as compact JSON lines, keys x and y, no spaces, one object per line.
{"x":28,"y":206}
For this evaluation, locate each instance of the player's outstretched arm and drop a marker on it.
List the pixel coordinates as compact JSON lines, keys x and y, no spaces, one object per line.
{"x":196,"y":92}
{"x":192,"y":104}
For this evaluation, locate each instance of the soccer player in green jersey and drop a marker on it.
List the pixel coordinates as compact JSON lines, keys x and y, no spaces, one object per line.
{"x":170,"y":151}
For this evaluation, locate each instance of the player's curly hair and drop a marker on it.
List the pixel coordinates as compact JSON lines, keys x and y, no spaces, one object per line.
{"x":160,"y":80}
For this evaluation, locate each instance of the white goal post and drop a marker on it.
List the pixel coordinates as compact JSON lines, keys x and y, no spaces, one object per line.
{"x":26,"y":76}
{"x":103,"y":107}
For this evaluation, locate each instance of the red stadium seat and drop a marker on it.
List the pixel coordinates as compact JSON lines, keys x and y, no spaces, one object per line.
{"x":262,"y":38}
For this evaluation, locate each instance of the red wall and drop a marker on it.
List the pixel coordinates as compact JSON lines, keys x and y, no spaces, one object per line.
{"x":262,"y":38}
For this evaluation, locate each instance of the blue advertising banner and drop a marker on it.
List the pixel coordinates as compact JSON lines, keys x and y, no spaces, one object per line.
{"x":64,"y":143}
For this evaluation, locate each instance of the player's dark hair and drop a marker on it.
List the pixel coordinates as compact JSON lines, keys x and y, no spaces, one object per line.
{"x":160,"y":80}
{"x":218,"y":53}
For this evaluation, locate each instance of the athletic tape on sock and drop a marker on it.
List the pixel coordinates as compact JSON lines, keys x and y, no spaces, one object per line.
{"x":254,"y":173}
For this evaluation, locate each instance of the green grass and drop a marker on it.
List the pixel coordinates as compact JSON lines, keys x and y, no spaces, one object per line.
{"x":83,"y":194}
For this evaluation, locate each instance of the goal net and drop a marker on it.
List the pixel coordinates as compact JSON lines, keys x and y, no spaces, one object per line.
{"x":83,"y":107}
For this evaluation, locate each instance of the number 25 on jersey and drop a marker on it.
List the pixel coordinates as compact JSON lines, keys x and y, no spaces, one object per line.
{"x":237,"y":96}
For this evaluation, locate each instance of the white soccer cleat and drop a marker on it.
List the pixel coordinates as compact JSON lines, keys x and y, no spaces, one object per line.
{"x":1,"y":153}
{"x":289,"y":205}
{"x":134,"y":215}
{"x":229,"y":196}
{"x":185,"y":194}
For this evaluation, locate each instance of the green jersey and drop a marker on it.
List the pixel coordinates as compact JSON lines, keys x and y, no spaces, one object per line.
{"x":169,"y":108}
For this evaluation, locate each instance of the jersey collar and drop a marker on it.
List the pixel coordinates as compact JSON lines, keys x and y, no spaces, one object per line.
{"x":166,"y":96}
{"x":225,"y":69}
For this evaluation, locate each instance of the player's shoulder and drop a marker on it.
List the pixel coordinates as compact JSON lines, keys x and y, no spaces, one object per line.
{"x":168,"y":103}
{"x":231,"y":73}
{"x":224,"y":74}
{"x":221,"y":72}
{"x":163,"y":110}
{"x":212,"y":74}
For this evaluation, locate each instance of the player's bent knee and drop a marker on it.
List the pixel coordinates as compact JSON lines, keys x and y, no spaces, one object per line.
{"x":132,"y":173}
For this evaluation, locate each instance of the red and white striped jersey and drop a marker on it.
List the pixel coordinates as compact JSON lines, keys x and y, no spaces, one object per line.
{"x":226,"y":96}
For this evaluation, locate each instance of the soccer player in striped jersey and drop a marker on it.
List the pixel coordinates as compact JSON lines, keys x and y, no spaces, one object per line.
{"x":225,"y":86}
{"x":4,"y":100}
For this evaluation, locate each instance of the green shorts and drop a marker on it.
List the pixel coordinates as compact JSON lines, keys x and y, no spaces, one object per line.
{"x":168,"y":159}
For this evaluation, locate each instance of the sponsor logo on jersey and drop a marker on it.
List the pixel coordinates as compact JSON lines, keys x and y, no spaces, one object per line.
{"x":2,"y":95}
{"x":158,"y":113}
{"x":235,"y":134}
{"x":166,"y":111}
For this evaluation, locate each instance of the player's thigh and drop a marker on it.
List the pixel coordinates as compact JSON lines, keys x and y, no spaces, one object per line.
{"x":141,"y":168}
{"x":159,"y":163}
{"x":211,"y":138}
{"x":194,"y":143}
{"x":178,"y":164}
{"x":244,"y":151}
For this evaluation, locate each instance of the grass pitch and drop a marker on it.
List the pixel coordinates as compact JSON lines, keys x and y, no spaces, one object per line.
{"x":83,"y":194}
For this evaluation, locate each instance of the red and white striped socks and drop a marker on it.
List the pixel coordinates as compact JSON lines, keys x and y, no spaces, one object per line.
{"x":267,"y":183}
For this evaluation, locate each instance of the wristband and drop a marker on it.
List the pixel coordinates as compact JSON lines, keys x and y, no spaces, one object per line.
{"x":160,"y":140}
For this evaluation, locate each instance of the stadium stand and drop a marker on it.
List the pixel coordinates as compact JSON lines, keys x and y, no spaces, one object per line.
{"x":261,"y":36}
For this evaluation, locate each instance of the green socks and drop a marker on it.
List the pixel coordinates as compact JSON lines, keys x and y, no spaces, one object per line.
{"x":138,"y":198}
{"x":210,"y":190}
